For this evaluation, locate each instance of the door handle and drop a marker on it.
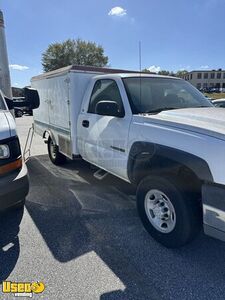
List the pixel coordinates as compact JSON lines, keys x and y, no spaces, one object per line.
{"x":85,"y":123}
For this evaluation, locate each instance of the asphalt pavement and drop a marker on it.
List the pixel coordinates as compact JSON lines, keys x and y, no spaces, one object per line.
{"x":83,"y":239}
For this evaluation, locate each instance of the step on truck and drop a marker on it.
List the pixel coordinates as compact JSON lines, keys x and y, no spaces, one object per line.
{"x":158,"y":133}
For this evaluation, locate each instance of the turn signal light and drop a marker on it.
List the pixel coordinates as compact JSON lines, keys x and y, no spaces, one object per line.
{"x":11,"y":166}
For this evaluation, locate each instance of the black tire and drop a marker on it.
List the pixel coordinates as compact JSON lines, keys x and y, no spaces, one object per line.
{"x":19,"y":114}
{"x":188,"y":216}
{"x":20,"y":205}
{"x":56,"y":158}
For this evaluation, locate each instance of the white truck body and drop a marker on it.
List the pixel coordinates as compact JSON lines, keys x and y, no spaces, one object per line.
{"x":193,"y":138}
{"x":61,"y":97}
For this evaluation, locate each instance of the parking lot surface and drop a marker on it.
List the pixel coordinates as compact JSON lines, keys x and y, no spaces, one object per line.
{"x":83,"y":239}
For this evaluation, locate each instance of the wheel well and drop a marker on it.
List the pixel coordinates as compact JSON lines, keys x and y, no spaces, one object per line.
{"x":48,"y":135}
{"x":147,"y":157}
{"x":144,"y":165}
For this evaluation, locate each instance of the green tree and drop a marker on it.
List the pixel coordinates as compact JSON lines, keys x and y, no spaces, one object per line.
{"x":145,"y":70}
{"x":164,"y":72}
{"x":181,"y":73}
{"x":73,"y":52}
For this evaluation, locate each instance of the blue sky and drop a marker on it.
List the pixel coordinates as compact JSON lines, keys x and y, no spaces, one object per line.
{"x":175,"y":34}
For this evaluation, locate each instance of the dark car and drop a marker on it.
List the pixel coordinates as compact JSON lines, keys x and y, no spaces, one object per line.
{"x":21,"y":104}
{"x":28,"y":111}
{"x":219,"y":102}
{"x":18,"y":112}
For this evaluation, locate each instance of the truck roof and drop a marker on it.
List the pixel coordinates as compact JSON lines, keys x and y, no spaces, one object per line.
{"x":85,"y":69}
{"x":96,"y":71}
{"x":141,"y":74}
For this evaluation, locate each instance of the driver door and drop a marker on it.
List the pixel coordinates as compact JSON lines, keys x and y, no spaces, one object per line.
{"x":104,"y":138}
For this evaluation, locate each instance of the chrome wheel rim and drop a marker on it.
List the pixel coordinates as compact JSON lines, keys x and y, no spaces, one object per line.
{"x":160,"y":211}
{"x":53,"y":150}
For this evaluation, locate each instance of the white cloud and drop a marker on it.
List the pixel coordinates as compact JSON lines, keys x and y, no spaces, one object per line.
{"x":154,"y":69}
{"x":204,"y":67}
{"x":18,"y":67}
{"x":184,"y":68}
{"x":117,"y":11}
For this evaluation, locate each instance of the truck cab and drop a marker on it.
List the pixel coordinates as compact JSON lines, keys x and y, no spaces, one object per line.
{"x":14,"y":184}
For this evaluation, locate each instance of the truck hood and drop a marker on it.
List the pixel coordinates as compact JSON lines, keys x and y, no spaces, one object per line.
{"x":7,"y":125}
{"x":207,"y":120}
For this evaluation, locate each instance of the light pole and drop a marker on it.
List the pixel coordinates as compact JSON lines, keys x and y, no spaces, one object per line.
{"x":5,"y":83}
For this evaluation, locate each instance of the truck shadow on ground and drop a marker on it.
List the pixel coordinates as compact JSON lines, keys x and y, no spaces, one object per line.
{"x":77,"y":214}
{"x":9,"y":241}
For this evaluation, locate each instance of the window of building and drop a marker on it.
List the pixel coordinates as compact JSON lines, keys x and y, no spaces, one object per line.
{"x":212,"y":75}
{"x":199,"y":75}
{"x":206,"y":75}
{"x":205,"y":85}
{"x":191,"y":75}
{"x":223,"y":75}
{"x":218,"y":75}
{"x":217,"y":85}
{"x":199,"y":86}
{"x":224,"y":85}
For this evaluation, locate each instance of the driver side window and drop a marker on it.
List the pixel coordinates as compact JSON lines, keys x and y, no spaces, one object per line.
{"x":104,"y":89}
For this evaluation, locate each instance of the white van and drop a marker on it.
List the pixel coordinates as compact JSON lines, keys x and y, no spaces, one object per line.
{"x":14,"y":185}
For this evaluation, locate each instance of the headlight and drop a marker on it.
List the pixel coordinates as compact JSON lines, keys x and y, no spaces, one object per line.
{"x":4,"y":151}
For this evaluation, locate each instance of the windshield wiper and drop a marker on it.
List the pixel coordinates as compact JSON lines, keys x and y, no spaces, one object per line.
{"x":158,"y":110}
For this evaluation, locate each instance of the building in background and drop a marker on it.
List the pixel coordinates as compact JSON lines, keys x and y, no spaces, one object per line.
{"x":207,"y":79}
{"x":5,"y":84}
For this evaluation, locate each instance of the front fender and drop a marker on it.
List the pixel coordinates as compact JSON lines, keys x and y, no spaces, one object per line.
{"x":151,"y":154}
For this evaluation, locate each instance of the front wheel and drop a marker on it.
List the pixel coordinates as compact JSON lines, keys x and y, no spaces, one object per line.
{"x":168,"y":212}
{"x":55,"y":156}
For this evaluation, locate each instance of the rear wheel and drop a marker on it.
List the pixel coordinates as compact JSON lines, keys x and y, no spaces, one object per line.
{"x":168,"y":212}
{"x":55,"y":156}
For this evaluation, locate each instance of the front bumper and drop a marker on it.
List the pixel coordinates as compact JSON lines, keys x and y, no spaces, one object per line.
{"x":13,"y":188}
{"x":213,"y":198}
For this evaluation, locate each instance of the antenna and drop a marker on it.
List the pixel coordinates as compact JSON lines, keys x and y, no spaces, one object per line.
{"x":140,"y":69}
{"x":140,"y":56}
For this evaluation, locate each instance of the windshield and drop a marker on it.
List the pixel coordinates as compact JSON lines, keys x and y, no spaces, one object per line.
{"x":152,"y":95}
{"x":2,"y":103}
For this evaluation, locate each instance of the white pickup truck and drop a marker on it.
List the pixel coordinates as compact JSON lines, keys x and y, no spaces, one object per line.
{"x":156,"y":132}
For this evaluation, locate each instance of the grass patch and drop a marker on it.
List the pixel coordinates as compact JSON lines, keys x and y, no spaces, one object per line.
{"x":215,"y":95}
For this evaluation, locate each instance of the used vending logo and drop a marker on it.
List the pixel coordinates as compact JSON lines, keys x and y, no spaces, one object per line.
{"x":23,"y":289}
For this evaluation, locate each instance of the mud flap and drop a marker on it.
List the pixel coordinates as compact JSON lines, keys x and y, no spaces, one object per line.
{"x":213,"y":198}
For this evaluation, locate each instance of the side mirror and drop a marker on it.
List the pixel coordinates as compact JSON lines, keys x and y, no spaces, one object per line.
{"x":109,"y":108}
{"x":32,"y":97}
{"x":9,"y":103}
